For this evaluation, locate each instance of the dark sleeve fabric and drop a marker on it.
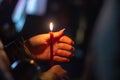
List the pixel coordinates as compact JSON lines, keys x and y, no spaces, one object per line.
{"x":16,"y":50}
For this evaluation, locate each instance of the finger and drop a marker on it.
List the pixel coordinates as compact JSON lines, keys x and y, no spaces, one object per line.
{"x":58,"y":70}
{"x":60,"y":59}
{"x":63,"y":53}
{"x":46,"y":36}
{"x":65,"y":46}
{"x":59,"y":33}
{"x":66,"y":39}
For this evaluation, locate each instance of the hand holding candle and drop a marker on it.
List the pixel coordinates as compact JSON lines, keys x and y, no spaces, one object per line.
{"x":42,"y":46}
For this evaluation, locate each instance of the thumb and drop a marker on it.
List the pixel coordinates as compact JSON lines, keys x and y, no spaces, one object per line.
{"x":59,"y":33}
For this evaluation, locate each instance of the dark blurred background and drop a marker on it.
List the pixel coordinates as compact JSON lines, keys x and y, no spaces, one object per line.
{"x":31,"y":17}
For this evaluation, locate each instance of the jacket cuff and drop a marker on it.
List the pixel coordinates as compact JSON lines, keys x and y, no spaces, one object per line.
{"x":17,"y":50}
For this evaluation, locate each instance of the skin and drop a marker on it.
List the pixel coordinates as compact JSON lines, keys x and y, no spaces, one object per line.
{"x":57,"y":68}
{"x":40,"y":48}
{"x":54,"y":73}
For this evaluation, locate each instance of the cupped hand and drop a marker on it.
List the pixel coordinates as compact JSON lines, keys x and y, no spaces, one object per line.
{"x":40,"y":49}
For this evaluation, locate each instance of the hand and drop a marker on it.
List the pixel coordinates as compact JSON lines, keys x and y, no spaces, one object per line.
{"x":54,"y":73}
{"x":58,"y":70}
{"x":40,"y":48}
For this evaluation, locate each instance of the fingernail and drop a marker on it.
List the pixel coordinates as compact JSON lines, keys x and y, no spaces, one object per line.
{"x":62,"y":30}
{"x":68,"y":60}
{"x":73,"y":48}
{"x":73,"y":43}
{"x":73,"y":55}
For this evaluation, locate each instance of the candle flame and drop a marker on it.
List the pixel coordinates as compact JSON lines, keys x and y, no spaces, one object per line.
{"x":51,"y":26}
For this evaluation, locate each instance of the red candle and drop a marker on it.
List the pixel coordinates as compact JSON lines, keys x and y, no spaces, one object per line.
{"x":51,"y":44}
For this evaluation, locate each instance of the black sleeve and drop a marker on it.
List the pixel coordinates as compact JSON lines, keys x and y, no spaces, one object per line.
{"x":16,"y":50}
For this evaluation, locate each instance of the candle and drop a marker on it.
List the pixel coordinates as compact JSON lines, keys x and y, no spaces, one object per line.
{"x":51,"y":44}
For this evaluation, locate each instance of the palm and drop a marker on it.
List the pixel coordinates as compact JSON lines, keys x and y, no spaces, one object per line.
{"x":42,"y":52}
